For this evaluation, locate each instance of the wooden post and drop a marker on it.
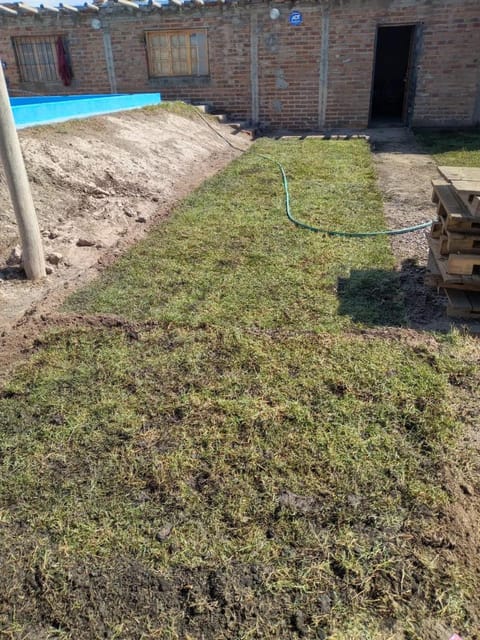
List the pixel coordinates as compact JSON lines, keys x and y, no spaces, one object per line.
{"x":19,"y":187}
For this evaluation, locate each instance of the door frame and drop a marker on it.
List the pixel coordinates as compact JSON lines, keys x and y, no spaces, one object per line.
{"x":416,"y":46}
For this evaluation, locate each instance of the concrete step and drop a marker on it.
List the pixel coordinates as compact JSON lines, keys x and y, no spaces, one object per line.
{"x":204,"y":108}
{"x":237,"y":126}
{"x":221,"y":117}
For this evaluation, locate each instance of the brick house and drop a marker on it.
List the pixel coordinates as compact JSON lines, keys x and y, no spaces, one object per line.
{"x":306,"y":64}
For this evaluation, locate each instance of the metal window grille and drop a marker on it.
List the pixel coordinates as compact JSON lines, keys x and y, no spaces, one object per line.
{"x":37,"y":58}
{"x":177,"y":53}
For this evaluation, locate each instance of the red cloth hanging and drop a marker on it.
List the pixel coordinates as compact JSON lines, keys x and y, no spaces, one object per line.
{"x":64,"y":68}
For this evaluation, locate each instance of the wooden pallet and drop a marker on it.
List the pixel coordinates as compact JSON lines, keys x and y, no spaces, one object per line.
{"x":451,"y":242}
{"x":460,"y":173}
{"x":441,"y":276}
{"x":460,"y":225}
{"x":436,"y":229}
{"x":463,"y":264}
{"x":454,"y":257}
{"x":468,"y":192}
{"x":463,"y":304}
{"x":434,"y":278}
{"x":452,"y":212}
{"x":466,"y":182}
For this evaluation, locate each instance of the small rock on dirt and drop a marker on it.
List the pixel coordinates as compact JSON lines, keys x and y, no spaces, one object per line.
{"x":141,"y":219}
{"x":99,"y":193}
{"x":54,"y":258}
{"x":83,"y":242}
{"x":15,"y":257}
{"x":164,"y":533}
{"x":467,"y":489}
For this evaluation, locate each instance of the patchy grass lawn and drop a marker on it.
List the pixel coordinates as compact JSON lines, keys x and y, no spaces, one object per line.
{"x":241,"y":457}
{"x":230,"y":257}
{"x":458,"y":149}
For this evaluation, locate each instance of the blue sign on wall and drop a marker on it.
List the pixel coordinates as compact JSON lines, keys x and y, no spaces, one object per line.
{"x":295,"y":18}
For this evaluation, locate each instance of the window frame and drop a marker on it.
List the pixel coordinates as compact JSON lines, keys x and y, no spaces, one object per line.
{"x":39,"y":71}
{"x":154,"y":73}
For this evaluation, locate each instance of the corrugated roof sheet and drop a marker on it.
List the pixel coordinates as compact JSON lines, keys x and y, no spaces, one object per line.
{"x":19,"y":9}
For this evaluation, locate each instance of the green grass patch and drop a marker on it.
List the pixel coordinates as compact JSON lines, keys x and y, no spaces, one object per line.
{"x":457,"y":149}
{"x":257,"y":463}
{"x":177,"y":107}
{"x":309,"y":463}
{"x":230,"y":256}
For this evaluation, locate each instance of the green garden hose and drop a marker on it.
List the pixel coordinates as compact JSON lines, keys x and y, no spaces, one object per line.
{"x":308,"y":227}
{"x":330,"y":232}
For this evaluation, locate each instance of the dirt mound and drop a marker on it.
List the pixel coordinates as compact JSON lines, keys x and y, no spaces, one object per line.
{"x":98,"y":184}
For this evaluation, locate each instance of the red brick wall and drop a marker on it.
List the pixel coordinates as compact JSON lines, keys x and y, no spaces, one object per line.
{"x":449,"y":70}
{"x":228,"y":86}
{"x":86,"y":52}
{"x":447,"y":67}
{"x":289,"y":58}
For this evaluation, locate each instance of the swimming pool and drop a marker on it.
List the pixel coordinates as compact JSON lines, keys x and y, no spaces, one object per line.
{"x":37,"y":110}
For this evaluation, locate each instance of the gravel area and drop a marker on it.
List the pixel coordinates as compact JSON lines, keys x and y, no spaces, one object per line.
{"x":404,"y":174}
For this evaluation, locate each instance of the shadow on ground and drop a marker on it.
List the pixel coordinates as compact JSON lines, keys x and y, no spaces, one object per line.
{"x":12,"y":273}
{"x":373,"y":297}
{"x":377,"y":297}
{"x":435,"y":142}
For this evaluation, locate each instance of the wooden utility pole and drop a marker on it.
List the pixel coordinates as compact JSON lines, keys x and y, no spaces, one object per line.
{"x":19,"y":187}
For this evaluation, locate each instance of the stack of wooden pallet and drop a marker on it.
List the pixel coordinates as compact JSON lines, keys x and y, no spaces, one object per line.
{"x":454,"y":258}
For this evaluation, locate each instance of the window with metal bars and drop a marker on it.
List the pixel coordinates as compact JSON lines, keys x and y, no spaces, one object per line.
{"x":177,"y":53}
{"x":37,"y":58}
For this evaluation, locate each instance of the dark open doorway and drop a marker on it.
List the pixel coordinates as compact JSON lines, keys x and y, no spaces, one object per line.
{"x":392,"y":77}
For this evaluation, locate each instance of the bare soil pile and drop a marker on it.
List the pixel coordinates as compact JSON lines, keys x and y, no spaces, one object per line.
{"x":98,"y":184}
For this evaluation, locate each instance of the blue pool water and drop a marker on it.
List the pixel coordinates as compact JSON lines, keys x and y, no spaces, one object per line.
{"x":29,"y":112}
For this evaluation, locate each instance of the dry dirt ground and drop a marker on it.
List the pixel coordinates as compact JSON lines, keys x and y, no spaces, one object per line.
{"x":101,"y":183}
{"x":404,"y":174}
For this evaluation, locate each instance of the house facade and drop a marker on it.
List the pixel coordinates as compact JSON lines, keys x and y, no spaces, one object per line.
{"x":306,"y":65}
